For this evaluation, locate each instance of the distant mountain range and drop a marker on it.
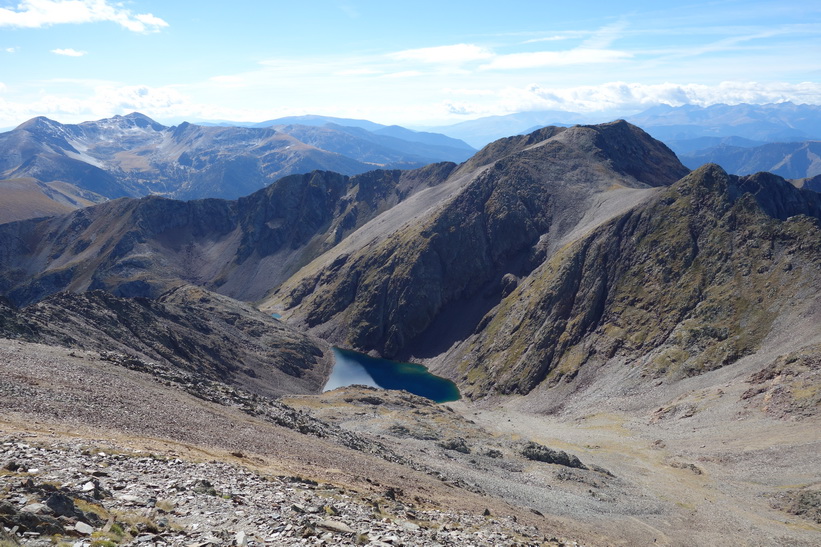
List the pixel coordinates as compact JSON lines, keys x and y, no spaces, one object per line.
{"x":794,"y":160}
{"x":135,"y":156}
{"x":781,"y":122}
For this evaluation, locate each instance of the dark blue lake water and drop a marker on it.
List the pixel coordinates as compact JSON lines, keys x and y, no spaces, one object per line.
{"x":351,"y":368}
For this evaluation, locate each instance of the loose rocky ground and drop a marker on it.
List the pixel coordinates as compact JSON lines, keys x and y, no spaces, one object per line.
{"x":692,"y":462}
{"x":97,"y":493}
{"x":132,"y":448}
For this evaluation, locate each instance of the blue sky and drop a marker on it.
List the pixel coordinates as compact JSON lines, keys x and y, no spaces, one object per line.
{"x":411,"y":63}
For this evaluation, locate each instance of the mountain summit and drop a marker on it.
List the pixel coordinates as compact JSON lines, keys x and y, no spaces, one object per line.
{"x":491,"y":223}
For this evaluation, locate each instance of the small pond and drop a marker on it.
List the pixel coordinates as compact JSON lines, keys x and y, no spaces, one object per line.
{"x":351,"y":368}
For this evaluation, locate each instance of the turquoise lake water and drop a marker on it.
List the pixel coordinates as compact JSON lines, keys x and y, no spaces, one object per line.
{"x":351,"y":368}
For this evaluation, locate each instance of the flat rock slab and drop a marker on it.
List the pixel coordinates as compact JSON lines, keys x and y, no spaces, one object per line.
{"x":335,"y":526}
{"x":83,"y":528}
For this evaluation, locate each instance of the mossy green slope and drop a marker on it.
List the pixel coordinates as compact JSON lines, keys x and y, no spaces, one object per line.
{"x":686,"y":283}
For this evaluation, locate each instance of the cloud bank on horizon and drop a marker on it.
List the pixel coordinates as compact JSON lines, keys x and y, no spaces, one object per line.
{"x":411,"y":63}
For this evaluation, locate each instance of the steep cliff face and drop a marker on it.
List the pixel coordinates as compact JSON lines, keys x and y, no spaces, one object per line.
{"x":691,"y":281}
{"x":188,"y":331}
{"x":523,"y":196}
{"x":241,"y":248}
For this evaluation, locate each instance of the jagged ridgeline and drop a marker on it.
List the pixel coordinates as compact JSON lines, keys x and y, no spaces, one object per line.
{"x":534,"y":262}
{"x":242,"y":248}
{"x":695,"y":279}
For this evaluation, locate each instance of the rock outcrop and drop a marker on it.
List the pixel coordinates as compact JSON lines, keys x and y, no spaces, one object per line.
{"x":188,"y":336}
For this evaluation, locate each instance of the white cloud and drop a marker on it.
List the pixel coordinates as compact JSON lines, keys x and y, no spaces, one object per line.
{"x":629,"y":98}
{"x":69,"y":52}
{"x":99,"y":101}
{"x":11,"y":49}
{"x":228,"y":81}
{"x":455,"y":54}
{"x":557,"y":36}
{"x":403,"y":74}
{"x":543,"y":59}
{"x":357,"y":72}
{"x":43,"y":13}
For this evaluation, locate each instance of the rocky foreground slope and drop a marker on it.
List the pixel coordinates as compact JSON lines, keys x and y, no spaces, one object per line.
{"x":97,"y":450}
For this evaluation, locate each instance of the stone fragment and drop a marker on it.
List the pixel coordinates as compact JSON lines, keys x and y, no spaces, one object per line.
{"x":38,"y":509}
{"x":335,"y":526}
{"x":62,"y":505}
{"x":83,"y":528}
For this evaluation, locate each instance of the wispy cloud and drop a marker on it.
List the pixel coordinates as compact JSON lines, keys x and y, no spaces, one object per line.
{"x":349,"y":10}
{"x":44,"y":13}
{"x":554,"y":38}
{"x":542,"y":59}
{"x":68,"y":52}
{"x":605,"y":36}
{"x":403,"y":74}
{"x":595,"y":49}
{"x":455,"y":54}
{"x":11,"y":49}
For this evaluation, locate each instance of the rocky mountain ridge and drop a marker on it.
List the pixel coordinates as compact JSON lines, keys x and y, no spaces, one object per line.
{"x":694,"y":279}
{"x":241,"y":248}
{"x":188,"y":334}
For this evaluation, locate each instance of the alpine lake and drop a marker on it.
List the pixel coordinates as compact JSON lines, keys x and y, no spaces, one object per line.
{"x":352,"y":368}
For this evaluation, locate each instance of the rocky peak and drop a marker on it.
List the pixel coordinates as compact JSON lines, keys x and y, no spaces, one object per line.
{"x":40,"y":123}
{"x":534,"y":190}
{"x":777,"y":197}
{"x":631,"y":151}
{"x":141,"y":120}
